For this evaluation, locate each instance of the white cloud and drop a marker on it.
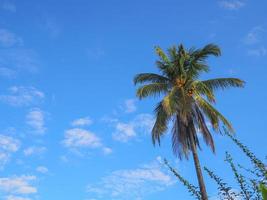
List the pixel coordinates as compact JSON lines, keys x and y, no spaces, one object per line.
{"x":255,"y":35}
{"x":129,"y":105}
{"x":22,"y":96}
{"x":34,"y":150}
{"x":19,"y":60}
{"x":8,"y":6}
{"x":132,"y":183}
{"x":235,"y":195}
{"x":6,"y":72}
{"x":4,"y":158}
{"x":110,"y":120}
{"x":95,"y":53}
{"x":140,"y":125}
{"x":8,"y":145}
{"x":64,"y":158}
{"x":11,"y":197}
{"x":145,"y":122}
{"x":78,"y":139}
{"x":107,"y":150}
{"x":18,"y":185}
{"x":36,"y":120}
{"x":259,"y":51}
{"x":254,"y":41}
{"x":42,"y":169}
{"x":51,"y":26}
{"x":9,"y":39}
{"x":86,"y":121}
{"x":14,"y":58}
{"x":124,"y":132}
{"x":81,"y":138}
{"x":231,"y":4}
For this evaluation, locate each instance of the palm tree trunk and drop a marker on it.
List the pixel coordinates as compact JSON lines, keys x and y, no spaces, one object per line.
{"x":201,"y":183}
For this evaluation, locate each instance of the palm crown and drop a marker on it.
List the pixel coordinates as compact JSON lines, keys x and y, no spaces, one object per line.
{"x":187,"y":100}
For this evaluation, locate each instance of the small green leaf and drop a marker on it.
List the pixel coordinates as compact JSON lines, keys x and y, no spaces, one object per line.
{"x":263,"y":191}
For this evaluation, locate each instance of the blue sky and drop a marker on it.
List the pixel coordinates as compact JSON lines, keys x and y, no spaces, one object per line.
{"x":71,"y":127}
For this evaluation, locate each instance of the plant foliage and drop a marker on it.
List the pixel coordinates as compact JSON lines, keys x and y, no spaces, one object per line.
{"x":186,"y":99}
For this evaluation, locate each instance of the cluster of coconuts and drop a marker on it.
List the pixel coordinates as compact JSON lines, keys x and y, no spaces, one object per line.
{"x":181,"y":82}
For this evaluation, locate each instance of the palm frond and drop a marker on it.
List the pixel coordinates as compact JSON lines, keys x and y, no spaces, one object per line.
{"x":195,"y":68}
{"x":208,"y":50}
{"x":203,"y":129}
{"x":172,"y":52}
{"x":150,"y":77}
{"x":213,"y":114}
{"x":162,"y":55}
{"x":202,"y":89}
{"x":167,"y":69}
{"x":181,"y":131}
{"x":171,"y":101}
{"x":152,"y":89}
{"x":223,"y":83}
{"x":161,"y":123}
{"x":180,"y":138}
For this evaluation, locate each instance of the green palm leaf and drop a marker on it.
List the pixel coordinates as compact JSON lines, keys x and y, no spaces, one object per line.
{"x":208,"y":50}
{"x":213,"y":114}
{"x":161,"y":123}
{"x":150,"y":77}
{"x":152,"y":89}
{"x":223,"y":83}
{"x":263,"y":189}
{"x":203,"y":89}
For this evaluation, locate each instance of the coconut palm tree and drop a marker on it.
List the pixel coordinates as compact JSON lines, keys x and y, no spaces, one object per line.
{"x":186,"y":100}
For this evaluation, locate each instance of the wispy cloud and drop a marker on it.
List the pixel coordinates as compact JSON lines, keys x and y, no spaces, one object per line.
{"x":95,"y":53}
{"x":12,"y":197}
{"x":22,"y":96}
{"x":231,"y":4}
{"x":77,"y":137}
{"x":81,"y":139}
{"x":107,"y":150}
{"x":34,"y":150}
{"x":9,"y":39}
{"x":8,"y":6}
{"x":258,"y":51}
{"x":36,"y":120}
{"x":51,"y":26}
{"x":18,"y":187}
{"x":6,"y":72}
{"x":140,"y":125}
{"x":255,"y":35}
{"x":235,"y":195}
{"x":14,"y":57}
{"x":42,"y":169}
{"x":8,"y":145}
{"x":85,"y":121}
{"x":124,"y":132}
{"x":255,"y":41}
{"x":129,"y":105}
{"x":132,"y":183}
{"x":19,"y":60}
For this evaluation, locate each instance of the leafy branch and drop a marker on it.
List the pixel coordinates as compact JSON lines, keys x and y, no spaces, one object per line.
{"x":191,"y":188}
